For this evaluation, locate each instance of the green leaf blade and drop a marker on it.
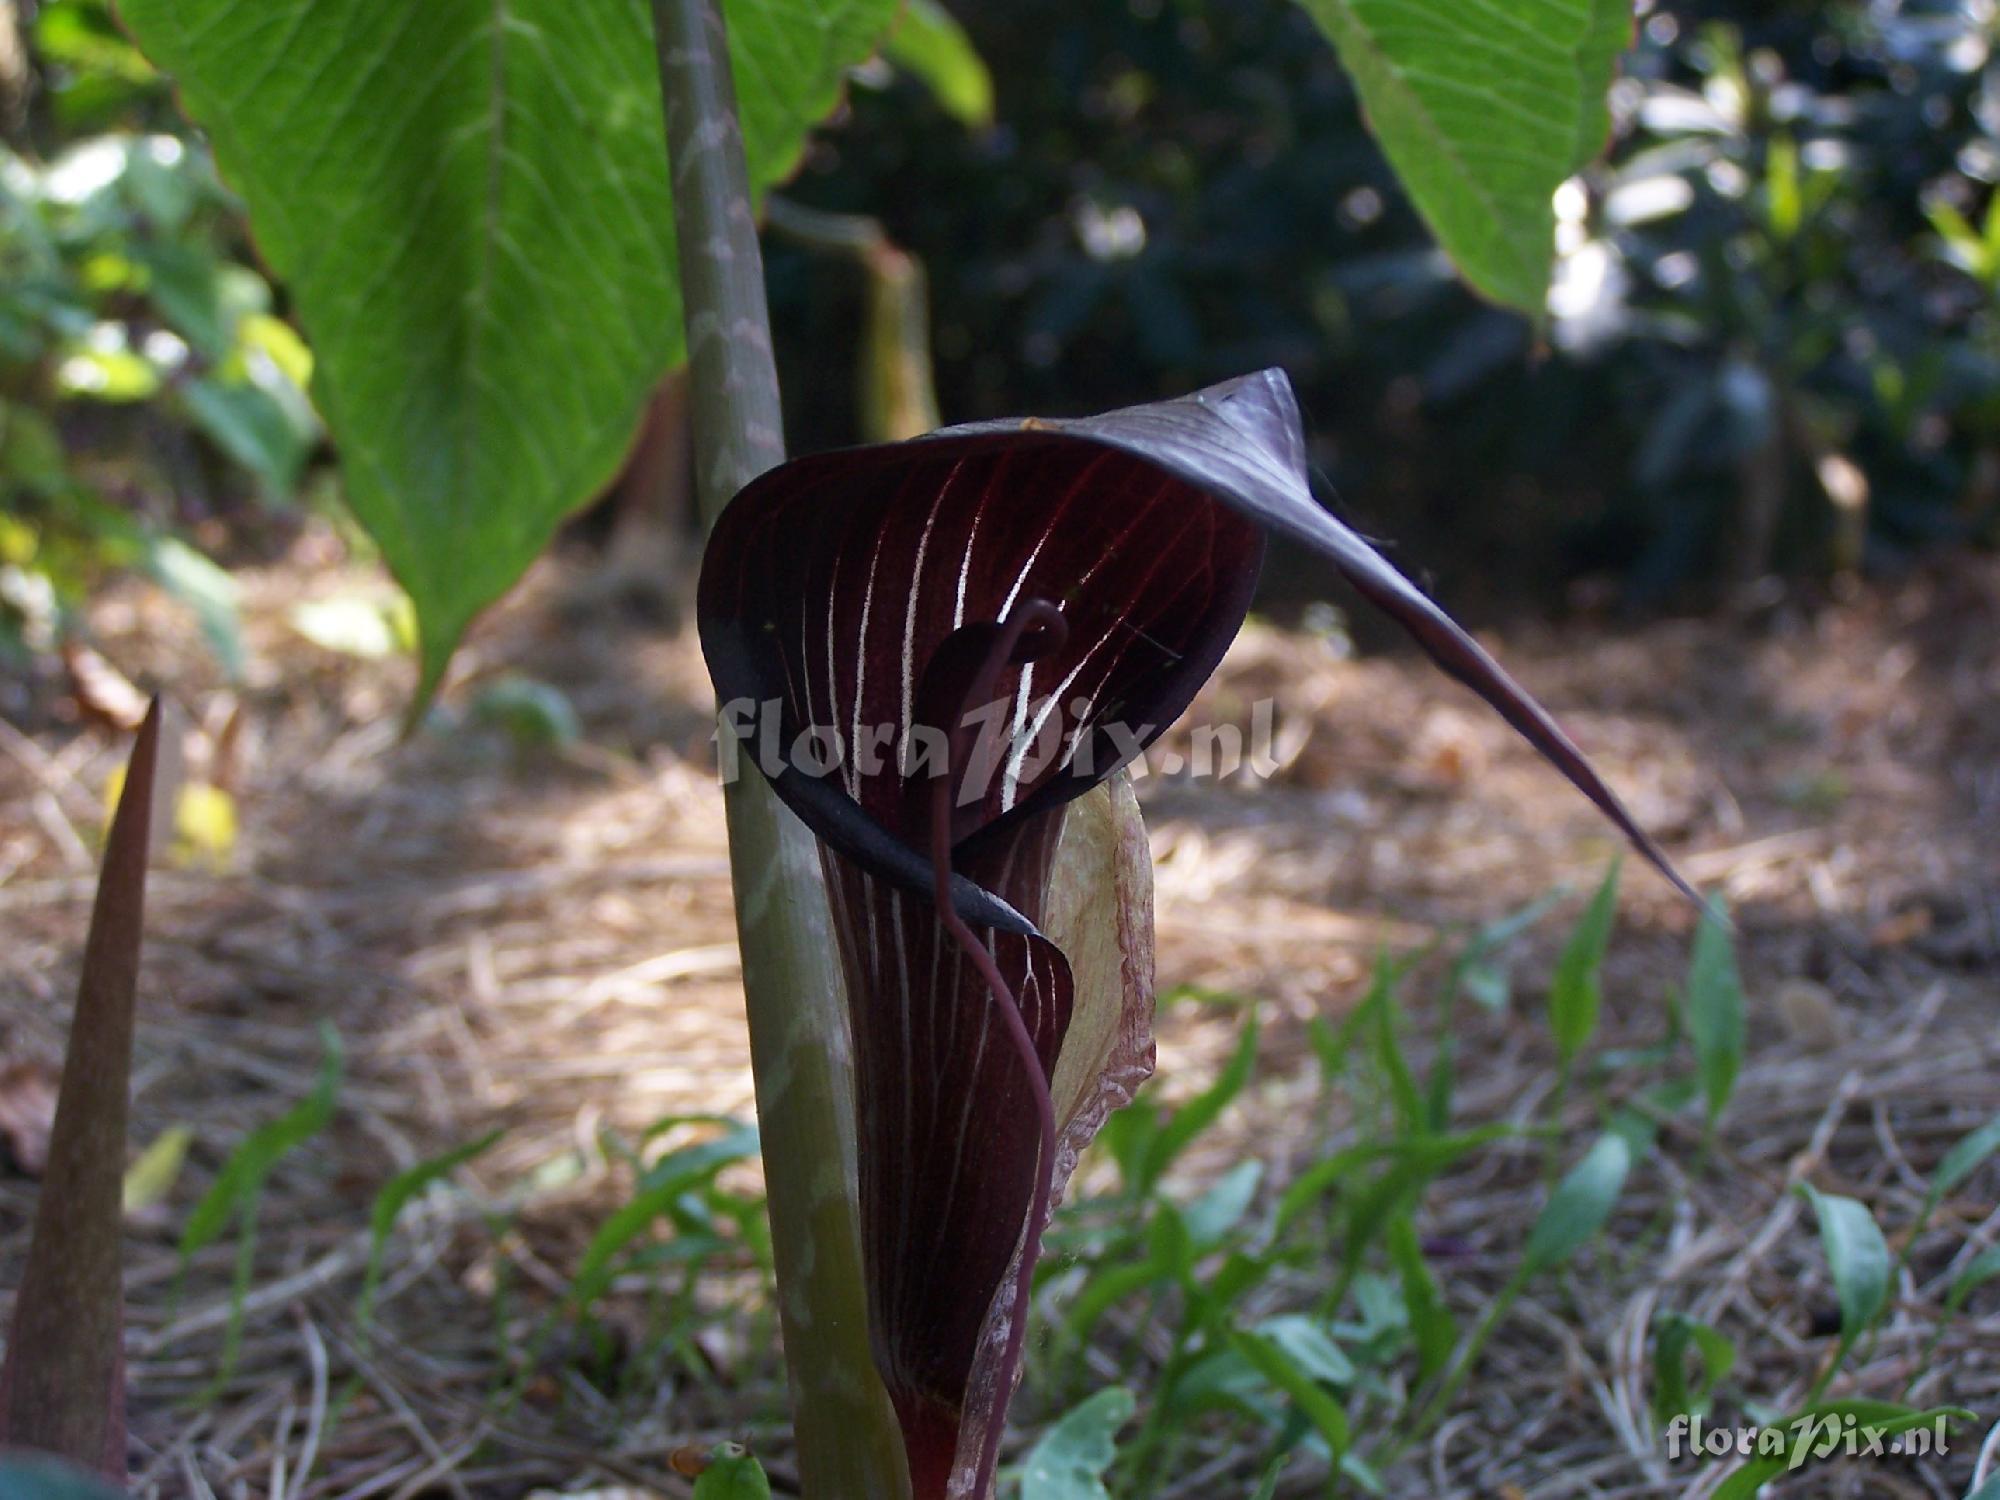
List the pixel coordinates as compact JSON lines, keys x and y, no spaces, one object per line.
{"x":1277,"y":1364}
{"x":1576,"y":995}
{"x":395,"y":1196}
{"x":1715,"y":1013}
{"x":732,"y":1474}
{"x":1581,"y":1204}
{"x":468,"y":202}
{"x":1484,"y":111}
{"x":1069,"y":1460}
{"x":1856,"y":1255}
{"x":1431,"y":1324}
{"x":1965,"y":1158}
{"x":1674,"y":1334}
{"x":1985,"y":1267}
{"x":238,"y":1189}
{"x":242,"y":1177}
{"x":929,"y":44}
{"x":1200,"y":1112}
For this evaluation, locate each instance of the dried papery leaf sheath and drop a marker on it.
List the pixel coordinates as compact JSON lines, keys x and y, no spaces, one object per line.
{"x":834,"y":589}
{"x":62,"y":1389}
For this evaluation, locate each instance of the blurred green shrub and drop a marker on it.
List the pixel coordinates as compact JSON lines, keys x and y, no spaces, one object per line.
{"x":1799,"y":352}
{"x":1772,"y":341}
{"x":147,"y":381}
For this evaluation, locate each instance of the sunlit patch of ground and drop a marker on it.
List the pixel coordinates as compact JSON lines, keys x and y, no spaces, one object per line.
{"x":542,"y":940}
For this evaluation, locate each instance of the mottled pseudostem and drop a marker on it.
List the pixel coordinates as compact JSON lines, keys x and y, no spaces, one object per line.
{"x":849,"y":1446}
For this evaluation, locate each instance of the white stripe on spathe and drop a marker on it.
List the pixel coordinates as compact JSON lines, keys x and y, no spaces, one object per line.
{"x":910,"y":611}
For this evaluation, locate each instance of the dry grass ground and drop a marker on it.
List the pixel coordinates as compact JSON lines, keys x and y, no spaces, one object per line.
{"x":543,"y":942}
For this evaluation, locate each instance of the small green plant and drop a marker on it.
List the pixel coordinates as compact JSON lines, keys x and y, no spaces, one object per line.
{"x":1858,"y":1258}
{"x":397,"y":1194}
{"x":732,"y":1474}
{"x":1309,"y":1319}
{"x":238,"y":1189}
{"x":1715,"y":1014}
{"x":677,"y":1187}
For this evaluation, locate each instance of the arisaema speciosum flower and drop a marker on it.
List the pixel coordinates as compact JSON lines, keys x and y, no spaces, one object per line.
{"x":941,"y":652}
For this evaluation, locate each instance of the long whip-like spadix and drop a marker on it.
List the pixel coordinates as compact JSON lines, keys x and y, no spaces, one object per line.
{"x":1005,"y":648}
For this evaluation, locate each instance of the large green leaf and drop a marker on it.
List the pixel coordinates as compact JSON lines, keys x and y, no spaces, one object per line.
{"x":1484,"y":109}
{"x":468,"y":202}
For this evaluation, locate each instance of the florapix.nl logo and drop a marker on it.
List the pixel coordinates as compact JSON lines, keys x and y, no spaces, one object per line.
{"x":1810,"y":1438}
{"x":1004,"y":742}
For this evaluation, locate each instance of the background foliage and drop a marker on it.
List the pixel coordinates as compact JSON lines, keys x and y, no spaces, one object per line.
{"x":149,"y":386}
{"x":1771,"y":340}
{"x":1774,"y":285}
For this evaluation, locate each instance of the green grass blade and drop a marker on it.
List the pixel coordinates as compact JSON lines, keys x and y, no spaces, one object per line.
{"x":660,"y":1190}
{"x":1673,"y":1335}
{"x":1212,"y":1216}
{"x":242,"y":1176}
{"x":1431,"y":1325}
{"x":1479,"y":973}
{"x":1964,"y":1159}
{"x":1415,"y":1163}
{"x":1715,"y":1013}
{"x":1200,"y":1112}
{"x":1107,"y":1289}
{"x":1268,"y":1486}
{"x":1577,"y":993}
{"x":704,"y":1158}
{"x":1271,"y":1360}
{"x":239,"y":1188}
{"x":1332,"y":1044}
{"x":1387,"y":1046}
{"x":1984,"y":1268}
{"x":1322,"y":1177}
{"x":1166,"y":1262}
{"x":1307,"y":1344}
{"x":395,"y":1196}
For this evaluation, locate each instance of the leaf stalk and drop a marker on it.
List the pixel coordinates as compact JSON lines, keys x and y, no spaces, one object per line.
{"x":849,"y":1446}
